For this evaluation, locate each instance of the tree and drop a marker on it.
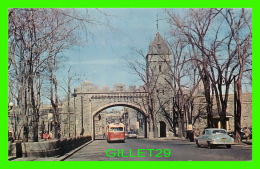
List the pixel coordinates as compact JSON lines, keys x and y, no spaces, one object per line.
{"x":240,"y":38}
{"x":184,"y":83}
{"x":193,"y":28}
{"x":216,"y":50}
{"x":25,"y":49}
{"x":37,"y":38}
{"x":205,"y":31}
{"x":146,"y":73}
{"x":69,"y":81}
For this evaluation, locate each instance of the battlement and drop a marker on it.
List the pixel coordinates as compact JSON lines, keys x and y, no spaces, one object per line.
{"x":87,"y":86}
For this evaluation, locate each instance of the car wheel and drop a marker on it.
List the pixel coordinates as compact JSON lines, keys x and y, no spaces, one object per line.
{"x":228,"y":146}
{"x":210,"y":145}
{"x":198,"y":145}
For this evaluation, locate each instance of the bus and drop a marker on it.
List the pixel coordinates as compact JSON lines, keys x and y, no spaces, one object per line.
{"x":115,"y":132}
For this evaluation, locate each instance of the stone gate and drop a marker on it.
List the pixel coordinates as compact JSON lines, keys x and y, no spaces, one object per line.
{"x":89,"y":100}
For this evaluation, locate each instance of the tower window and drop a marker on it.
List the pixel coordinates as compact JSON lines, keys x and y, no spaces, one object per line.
{"x":159,"y":46}
{"x":160,"y":68}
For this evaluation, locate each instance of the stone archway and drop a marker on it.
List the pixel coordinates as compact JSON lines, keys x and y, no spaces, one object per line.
{"x":129,"y":105}
{"x":162,"y":129}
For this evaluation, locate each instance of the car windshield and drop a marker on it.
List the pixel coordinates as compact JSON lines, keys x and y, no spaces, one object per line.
{"x":131,"y":132}
{"x":219,"y":132}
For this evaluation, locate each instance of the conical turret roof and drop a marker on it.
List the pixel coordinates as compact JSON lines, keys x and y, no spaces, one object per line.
{"x":159,"y":46}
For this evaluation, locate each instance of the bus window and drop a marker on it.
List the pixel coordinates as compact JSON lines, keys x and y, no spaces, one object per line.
{"x":116,"y":129}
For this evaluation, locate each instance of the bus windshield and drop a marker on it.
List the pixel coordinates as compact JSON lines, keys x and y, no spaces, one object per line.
{"x":116,"y":129}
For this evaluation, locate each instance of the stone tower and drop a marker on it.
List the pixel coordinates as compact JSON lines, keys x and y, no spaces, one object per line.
{"x":159,"y":63}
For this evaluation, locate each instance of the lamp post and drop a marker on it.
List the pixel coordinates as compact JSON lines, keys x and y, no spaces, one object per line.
{"x":74,"y":95}
{"x":82,"y":132}
{"x":10,"y":106}
{"x":69,"y":119}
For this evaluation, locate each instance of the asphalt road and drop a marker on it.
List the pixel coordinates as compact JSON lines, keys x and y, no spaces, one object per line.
{"x":181,"y":150}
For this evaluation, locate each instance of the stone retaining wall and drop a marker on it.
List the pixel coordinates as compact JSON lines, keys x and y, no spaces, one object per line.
{"x":48,"y":148}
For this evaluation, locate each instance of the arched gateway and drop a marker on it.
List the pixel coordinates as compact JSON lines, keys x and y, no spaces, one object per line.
{"x":90,"y":104}
{"x":89,"y":100}
{"x":124,"y":104}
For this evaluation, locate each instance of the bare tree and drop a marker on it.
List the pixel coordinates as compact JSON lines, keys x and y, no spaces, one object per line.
{"x":184,"y":83}
{"x":25,"y":48}
{"x":68,"y":82}
{"x":37,"y":38}
{"x":240,"y":37}
{"x":193,"y":27}
{"x":215,"y":49}
{"x":147,"y":73}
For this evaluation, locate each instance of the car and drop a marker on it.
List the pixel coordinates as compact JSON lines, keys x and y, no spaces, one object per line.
{"x":212,"y":137}
{"x":131,"y":134}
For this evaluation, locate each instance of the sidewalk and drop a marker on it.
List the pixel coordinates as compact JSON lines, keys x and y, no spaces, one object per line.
{"x":249,"y":142}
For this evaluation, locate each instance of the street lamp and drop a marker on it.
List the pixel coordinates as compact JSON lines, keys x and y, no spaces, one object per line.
{"x":10,"y":106}
{"x":74,"y":95}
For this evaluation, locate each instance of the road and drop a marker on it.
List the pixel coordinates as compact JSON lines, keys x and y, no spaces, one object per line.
{"x":181,"y":150}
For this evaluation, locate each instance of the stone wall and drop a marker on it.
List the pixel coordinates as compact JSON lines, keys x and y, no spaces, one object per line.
{"x":46,"y":148}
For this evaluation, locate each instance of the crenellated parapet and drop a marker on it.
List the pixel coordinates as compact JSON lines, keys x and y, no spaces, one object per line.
{"x":87,"y":86}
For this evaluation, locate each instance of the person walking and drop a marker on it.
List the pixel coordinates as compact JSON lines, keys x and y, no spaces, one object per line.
{"x":196,"y":132}
{"x":247,"y":133}
{"x":45,"y":136}
{"x":50,"y":135}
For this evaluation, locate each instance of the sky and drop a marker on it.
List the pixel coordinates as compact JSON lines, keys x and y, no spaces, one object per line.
{"x":102,"y":60}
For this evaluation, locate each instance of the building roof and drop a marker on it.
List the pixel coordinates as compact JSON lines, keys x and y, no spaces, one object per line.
{"x":159,"y":46}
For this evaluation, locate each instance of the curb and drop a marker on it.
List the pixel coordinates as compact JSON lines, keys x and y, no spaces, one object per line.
{"x":247,"y":143}
{"x":67,"y":155}
{"x":11,"y":158}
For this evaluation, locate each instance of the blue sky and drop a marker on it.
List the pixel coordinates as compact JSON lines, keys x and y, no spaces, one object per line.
{"x":102,"y":59}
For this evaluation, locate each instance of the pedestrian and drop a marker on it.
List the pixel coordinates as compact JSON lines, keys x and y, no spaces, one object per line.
{"x":82,"y":132}
{"x":247,"y":133}
{"x":197,"y":132}
{"x":45,"y":136}
{"x":50,"y":135}
{"x":104,"y":135}
{"x":10,"y":137}
{"x":59,"y":135}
